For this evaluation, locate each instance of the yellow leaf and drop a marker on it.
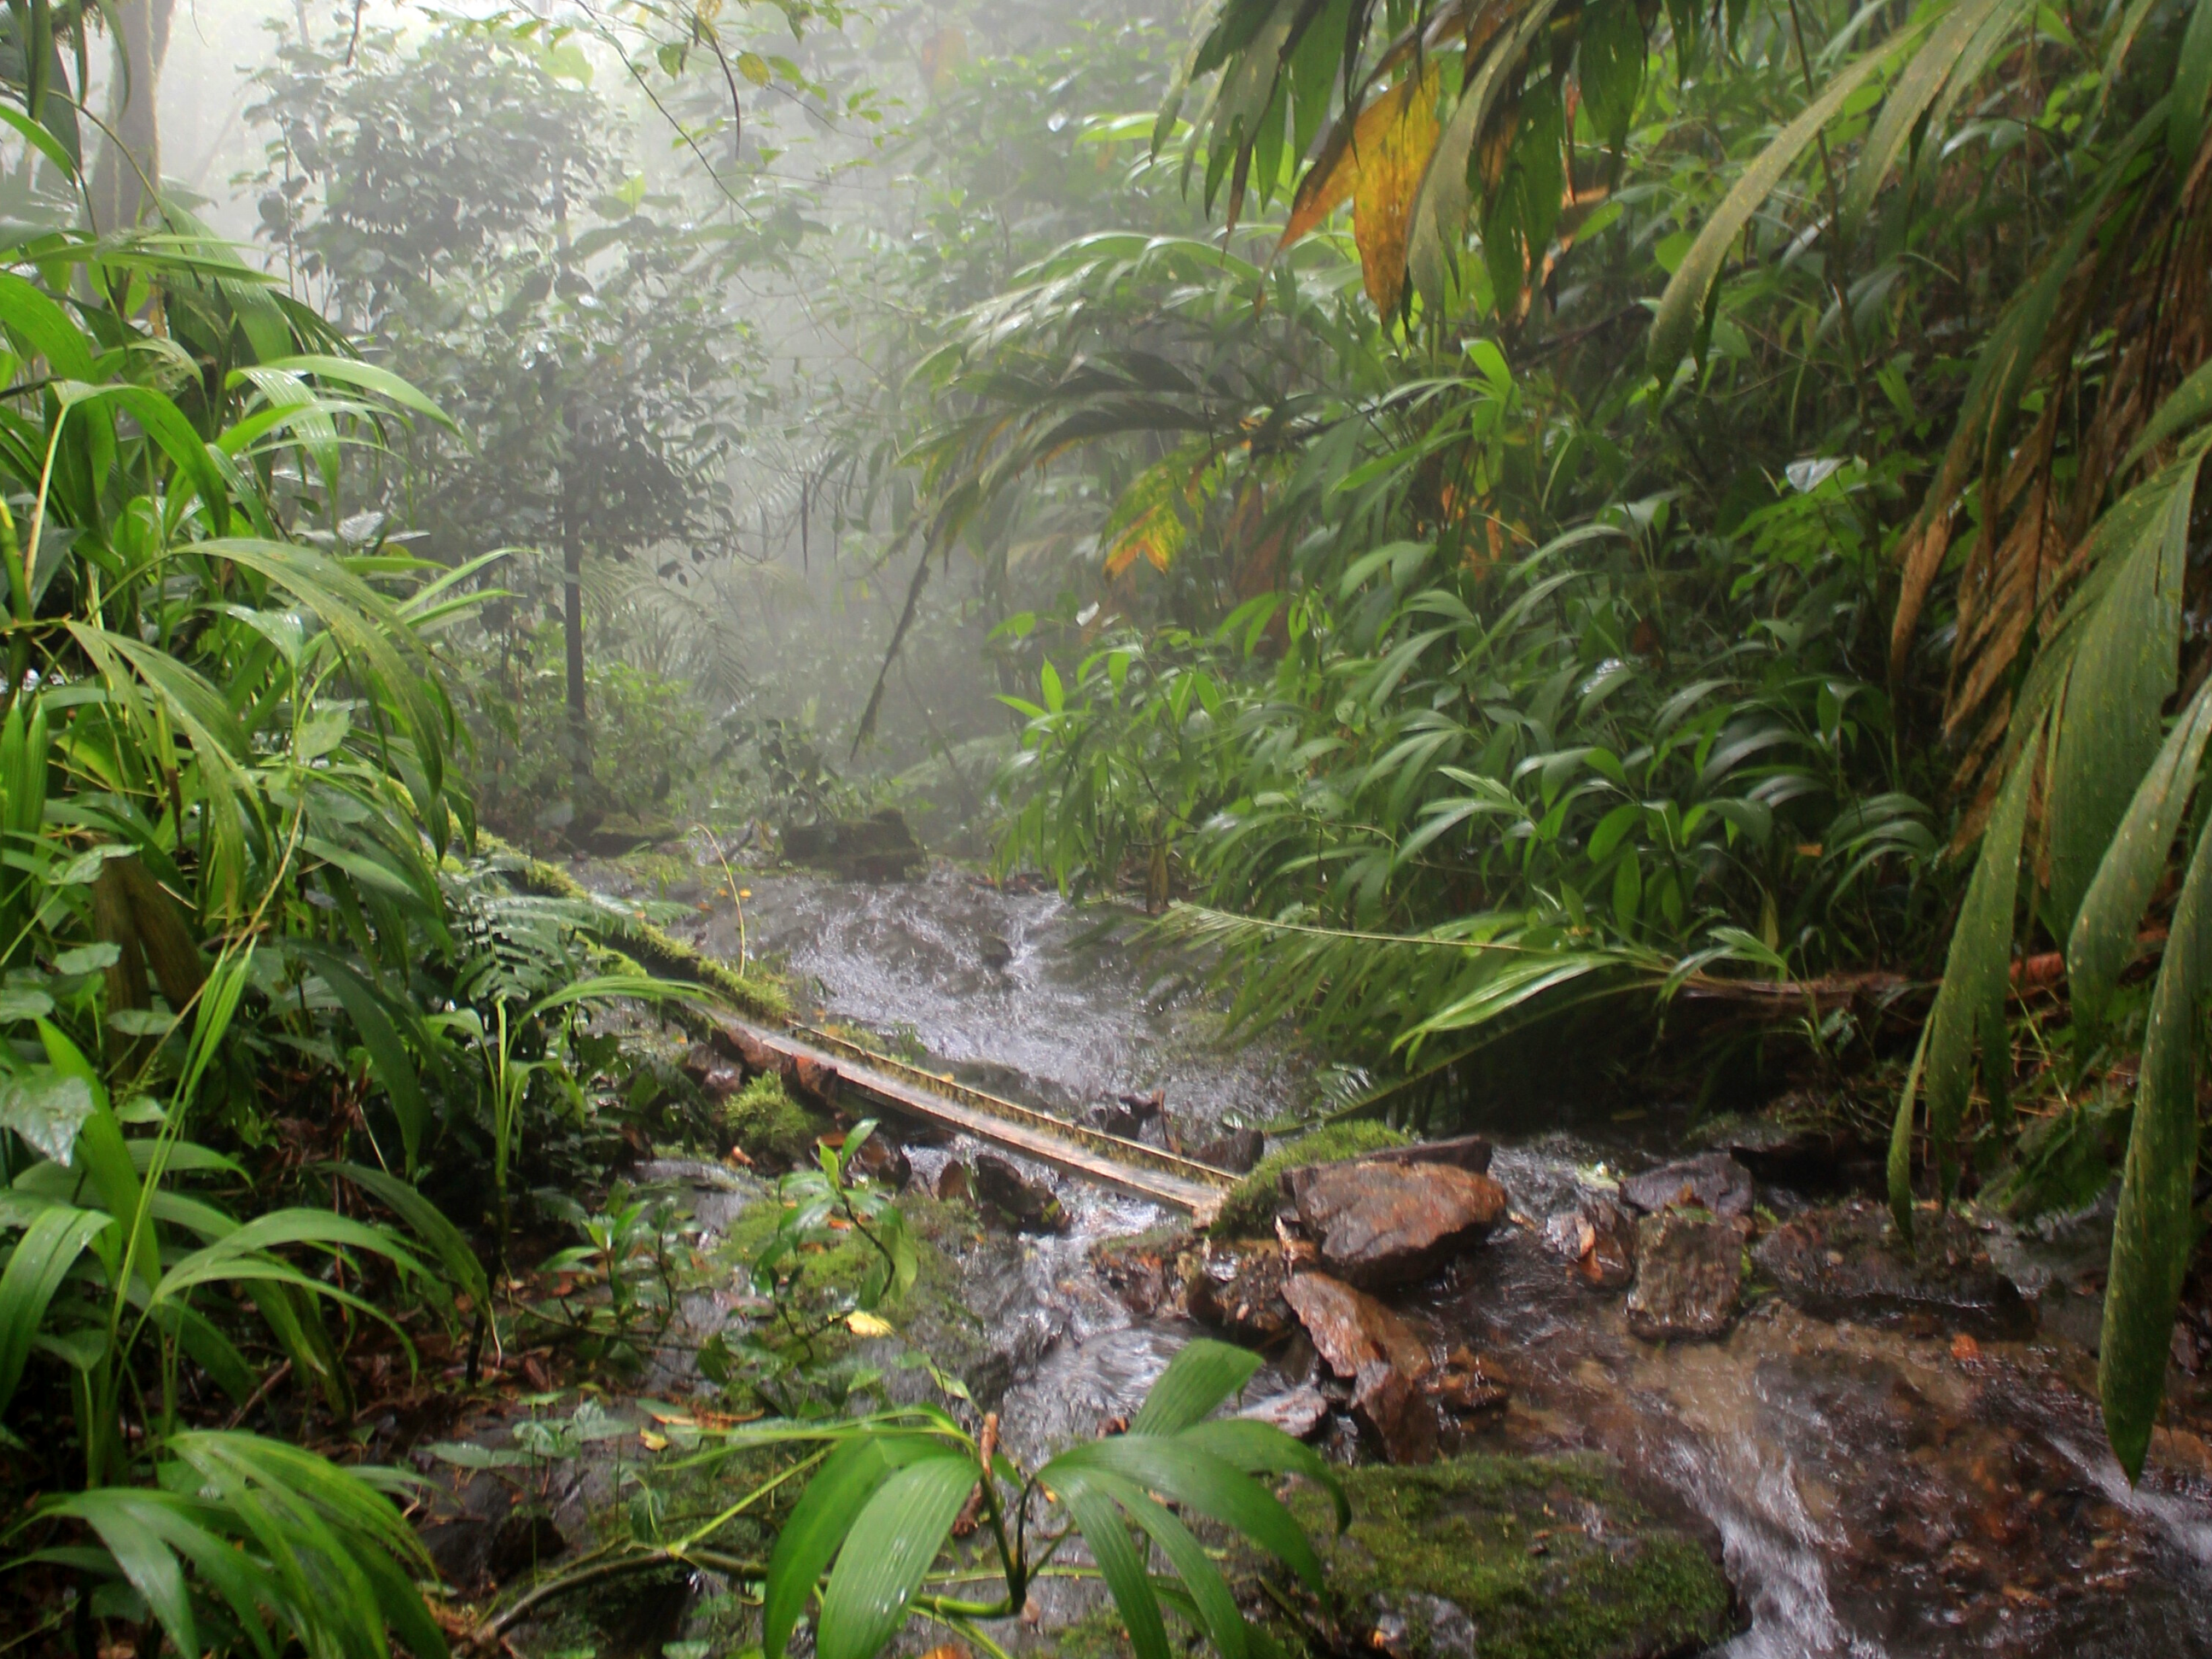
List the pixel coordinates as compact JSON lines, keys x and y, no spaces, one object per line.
{"x":1390,"y":169}
{"x":753,"y":67}
{"x":867,"y":1324}
{"x":943,"y":55}
{"x":653,"y":1441}
{"x":1322,"y":193}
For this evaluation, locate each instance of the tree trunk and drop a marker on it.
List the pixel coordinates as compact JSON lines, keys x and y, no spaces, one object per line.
{"x":572,"y":622}
{"x":131,"y":159}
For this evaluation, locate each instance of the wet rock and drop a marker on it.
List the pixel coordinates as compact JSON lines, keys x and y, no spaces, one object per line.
{"x":1713,"y":1182}
{"x":1689,"y":1274}
{"x":1599,"y":1237}
{"x":1461,"y":1151}
{"x":881,"y":1161}
{"x":1501,"y":1556}
{"x":1398,"y":1410}
{"x":1801,"y":1142}
{"x":1386,"y":1360}
{"x":1296,"y":1411}
{"x":1351,"y":1329}
{"x":879,"y":848}
{"x":952,"y":1182}
{"x":1465,"y":1387}
{"x":1126,"y":1115}
{"x":1840,"y":1261}
{"x":1237,"y":1288}
{"x":1144,"y":1272}
{"x":997,"y":955}
{"x":1418,"y":1626}
{"x":1031,"y":1205}
{"x":1380,"y":1223}
{"x":1237,"y":1150}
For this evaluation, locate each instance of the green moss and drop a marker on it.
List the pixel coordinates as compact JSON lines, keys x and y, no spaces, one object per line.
{"x":1099,"y":1634}
{"x":1547,"y":1556}
{"x":756,"y":991}
{"x":763,"y":1120}
{"x":1249,"y":1208}
{"x":931,"y":1313}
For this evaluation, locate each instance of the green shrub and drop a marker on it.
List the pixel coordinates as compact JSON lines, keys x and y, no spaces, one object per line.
{"x":1250,"y":1206}
{"x":765,"y":1123}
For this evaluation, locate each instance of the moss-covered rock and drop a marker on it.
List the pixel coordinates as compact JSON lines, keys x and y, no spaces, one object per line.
{"x":768,"y":1123}
{"x":1248,"y":1210}
{"x":1546,"y":1558}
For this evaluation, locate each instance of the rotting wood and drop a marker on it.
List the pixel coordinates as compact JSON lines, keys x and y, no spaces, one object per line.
{"x":829,"y":1066}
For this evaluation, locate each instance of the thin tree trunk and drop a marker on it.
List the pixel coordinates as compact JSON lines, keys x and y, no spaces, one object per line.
{"x":131,"y":159}
{"x":572,"y":622}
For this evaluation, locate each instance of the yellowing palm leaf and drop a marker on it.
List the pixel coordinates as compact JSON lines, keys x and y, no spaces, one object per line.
{"x":1378,"y":173}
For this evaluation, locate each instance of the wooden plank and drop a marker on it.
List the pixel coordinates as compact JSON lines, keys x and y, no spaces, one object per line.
{"x":829,"y":1067}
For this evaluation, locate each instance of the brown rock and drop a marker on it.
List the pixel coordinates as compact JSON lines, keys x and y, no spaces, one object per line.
{"x":1031,"y":1205}
{"x":1464,"y":1387}
{"x":1237,"y":1151}
{"x":1689,"y":1273}
{"x":1237,"y":1288}
{"x":1143,"y":1272}
{"x":953,"y":1182}
{"x":1713,"y":1181}
{"x":1599,"y":1238}
{"x":1461,"y":1151}
{"x":1398,"y":1412}
{"x":1389,"y":1224}
{"x":1351,"y":1329}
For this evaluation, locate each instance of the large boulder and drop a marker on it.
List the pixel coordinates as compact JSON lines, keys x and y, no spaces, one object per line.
{"x":879,"y":848}
{"x":1689,"y":1276}
{"x":1379,"y":1222}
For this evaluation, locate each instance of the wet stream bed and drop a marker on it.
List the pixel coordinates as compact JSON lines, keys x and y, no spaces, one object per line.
{"x":1873,"y":1482}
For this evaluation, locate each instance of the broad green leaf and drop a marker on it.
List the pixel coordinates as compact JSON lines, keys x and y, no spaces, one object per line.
{"x":1258,"y":1448}
{"x":1676,"y":320}
{"x":892,"y":1543}
{"x":429,"y":1223}
{"x":2155,"y":1228}
{"x":818,"y":1525}
{"x":1198,"y":1479}
{"x":2106,"y":732}
{"x":44,"y":1106}
{"x":1121,"y":1564}
{"x":2192,"y":80}
{"x":2104,"y":933}
{"x":43,"y":1256}
{"x":387,"y":1053}
{"x":2185,"y":406}
{"x":1209,"y":1592}
{"x":1910,"y":95}
{"x":366,"y":377}
{"x":1440,"y":206}
{"x":1202,"y":1375}
{"x":1977,"y":968}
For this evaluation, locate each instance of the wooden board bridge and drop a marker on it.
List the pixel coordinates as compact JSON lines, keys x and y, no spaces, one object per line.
{"x":834,"y":1069}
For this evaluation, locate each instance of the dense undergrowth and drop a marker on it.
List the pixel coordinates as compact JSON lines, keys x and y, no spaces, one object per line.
{"x":1719,"y":508}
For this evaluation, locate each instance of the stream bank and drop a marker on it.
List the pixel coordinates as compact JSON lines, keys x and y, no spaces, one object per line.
{"x":1879,"y":1462}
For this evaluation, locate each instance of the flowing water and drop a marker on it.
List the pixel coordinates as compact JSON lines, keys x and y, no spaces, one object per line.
{"x":1891,"y":1491}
